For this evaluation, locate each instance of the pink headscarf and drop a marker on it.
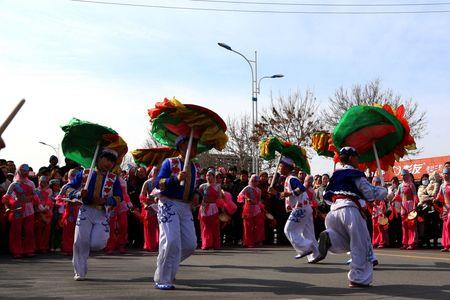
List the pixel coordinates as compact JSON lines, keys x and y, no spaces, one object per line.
{"x":22,"y":175}
{"x":153,"y":172}
{"x":253,"y":182}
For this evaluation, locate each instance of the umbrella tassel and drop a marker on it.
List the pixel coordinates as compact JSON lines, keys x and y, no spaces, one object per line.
{"x":276,"y":175}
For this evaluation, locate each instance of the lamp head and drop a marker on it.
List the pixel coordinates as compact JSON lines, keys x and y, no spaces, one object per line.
{"x":223,"y":45}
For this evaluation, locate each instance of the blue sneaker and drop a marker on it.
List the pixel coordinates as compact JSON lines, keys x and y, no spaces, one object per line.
{"x":164,"y":287}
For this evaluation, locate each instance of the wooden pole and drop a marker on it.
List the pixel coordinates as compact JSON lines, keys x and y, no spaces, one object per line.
{"x":88,"y":180}
{"x":378,"y":163}
{"x":188,"y":153}
{"x":11,"y":116}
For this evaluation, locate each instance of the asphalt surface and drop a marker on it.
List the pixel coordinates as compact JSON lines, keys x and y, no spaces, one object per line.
{"x":236,"y":273}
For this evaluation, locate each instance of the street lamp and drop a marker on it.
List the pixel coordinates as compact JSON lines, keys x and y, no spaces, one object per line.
{"x":255,"y":91}
{"x":258,"y":91}
{"x":53,"y":147}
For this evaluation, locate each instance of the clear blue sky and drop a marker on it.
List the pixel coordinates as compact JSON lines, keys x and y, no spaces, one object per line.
{"x":109,"y":64}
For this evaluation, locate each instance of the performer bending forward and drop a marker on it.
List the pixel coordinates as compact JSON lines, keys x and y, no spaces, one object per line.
{"x":92,"y":228}
{"x":177,"y":239}
{"x":346,"y":226}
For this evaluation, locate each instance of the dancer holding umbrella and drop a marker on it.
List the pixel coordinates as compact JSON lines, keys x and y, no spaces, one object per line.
{"x":299,"y":228}
{"x":360,"y":134}
{"x":98,"y":188}
{"x":190,"y":129}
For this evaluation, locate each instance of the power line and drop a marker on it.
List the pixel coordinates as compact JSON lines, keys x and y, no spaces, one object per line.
{"x":324,"y":4}
{"x":267,"y":11}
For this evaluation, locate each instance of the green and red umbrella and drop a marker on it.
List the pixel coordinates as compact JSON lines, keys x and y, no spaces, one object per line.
{"x":171,"y":118}
{"x":375,"y":131}
{"x":268,"y":147}
{"x":320,"y":142}
{"x":82,"y":137}
{"x":152,"y":156}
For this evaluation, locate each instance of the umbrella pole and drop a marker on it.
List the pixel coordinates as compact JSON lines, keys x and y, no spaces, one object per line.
{"x":11,"y":116}
{"x":378,"y":163}
{"x":188,"y":153}
{"x":276,"y":175}
{"x":88,"y":180}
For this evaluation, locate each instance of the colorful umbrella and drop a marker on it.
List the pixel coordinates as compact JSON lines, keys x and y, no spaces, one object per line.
{"x":375,"y":131}
{"x":320,"y":142}
{"x":82,"y":137}
{"x":269,"y":146}
{"x":152,"y":156}
{"x":171,"y":118}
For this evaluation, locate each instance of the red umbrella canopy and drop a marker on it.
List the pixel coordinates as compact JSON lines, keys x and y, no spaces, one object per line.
{"x":152,"y":156}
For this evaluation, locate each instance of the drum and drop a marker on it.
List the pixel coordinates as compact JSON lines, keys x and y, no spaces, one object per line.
{"x":412,"y":215}
{"x":224,"y":218}
{"x":46,"y":217}
{"x":269,"y":216}
{"x":382,"y":220}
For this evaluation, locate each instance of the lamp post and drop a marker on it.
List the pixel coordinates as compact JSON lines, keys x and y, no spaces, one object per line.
{"x":56,"y":149}
{"x":255,"y":91}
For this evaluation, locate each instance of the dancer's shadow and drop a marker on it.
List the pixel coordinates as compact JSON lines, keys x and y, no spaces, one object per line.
{"x":306,"y":268}
{"x":284,"y":287}
{"x":436,"y":267}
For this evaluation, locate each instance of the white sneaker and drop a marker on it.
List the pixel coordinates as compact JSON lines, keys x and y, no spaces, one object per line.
{"x":78,"y":277}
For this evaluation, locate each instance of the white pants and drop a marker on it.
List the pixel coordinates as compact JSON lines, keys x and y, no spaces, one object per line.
{"x":299,"y":230}
{"x":348,"y":232}
{"x":91,"y":233}
{"x":177,"y":239}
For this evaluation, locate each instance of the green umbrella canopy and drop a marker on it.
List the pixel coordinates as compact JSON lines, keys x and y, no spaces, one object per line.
{"x":81,"y":138}
{"x":362,"y":126}
{"x":268,"y":147}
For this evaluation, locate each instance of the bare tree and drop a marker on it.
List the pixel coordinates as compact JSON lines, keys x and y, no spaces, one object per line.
{"x":369,"y":94}
{"x":239,"y":140}
{"x":150,"y":142}
{"x":293,"y":118}
{"x":127,"y":162}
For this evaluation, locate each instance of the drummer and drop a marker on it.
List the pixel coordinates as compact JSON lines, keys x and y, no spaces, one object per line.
{"x":209,"y":212}
{"x":149,"y":211}
{"x":407,"y":194}
{"x":252,"y":214}
{"x":176,"y":225}
{"x":379,"y":220}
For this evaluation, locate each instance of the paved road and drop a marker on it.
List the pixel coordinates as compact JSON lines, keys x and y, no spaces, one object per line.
{"x":265,"y":273}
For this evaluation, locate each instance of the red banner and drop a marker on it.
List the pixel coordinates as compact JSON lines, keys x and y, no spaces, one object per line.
{"x":417,"y":167}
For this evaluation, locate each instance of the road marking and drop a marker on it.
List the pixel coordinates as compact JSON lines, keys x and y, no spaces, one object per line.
{"x":413,"y":256}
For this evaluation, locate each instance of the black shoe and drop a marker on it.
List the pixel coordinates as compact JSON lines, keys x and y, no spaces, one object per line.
{"x":324,"y":245}
{"x":375,"y":263}
{"x":357,"y":285}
